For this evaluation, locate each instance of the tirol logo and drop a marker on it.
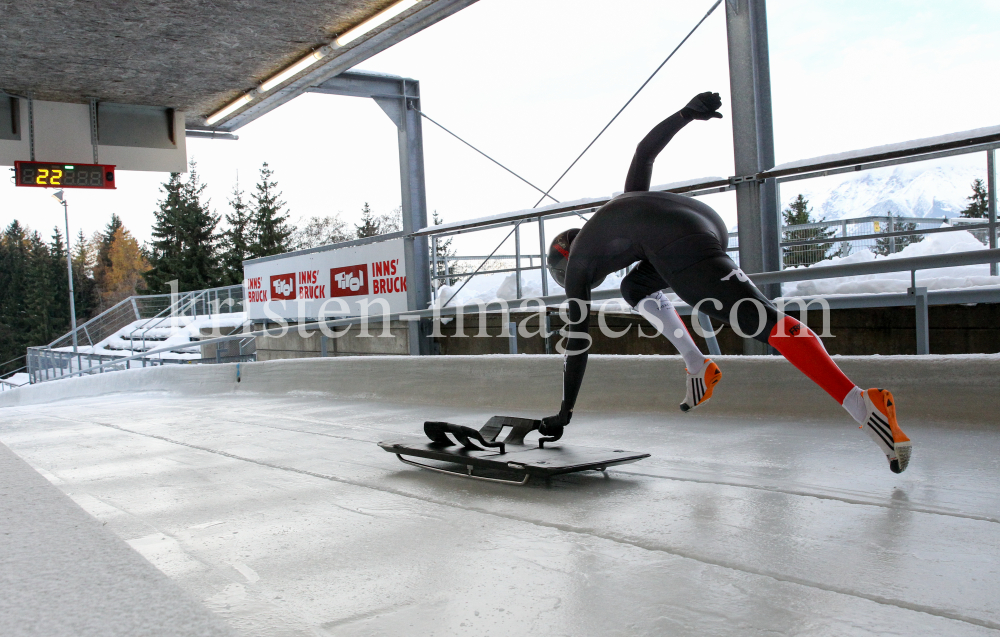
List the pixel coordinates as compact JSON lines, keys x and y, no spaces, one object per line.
{"x":349,"y":281}
{"x":283,"y":287}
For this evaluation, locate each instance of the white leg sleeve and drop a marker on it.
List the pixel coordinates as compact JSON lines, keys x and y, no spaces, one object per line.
{"x":854,"y":403}
{"x":658,"y":306}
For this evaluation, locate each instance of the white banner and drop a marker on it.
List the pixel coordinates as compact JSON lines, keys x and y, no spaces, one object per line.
{"x":349,"y":281}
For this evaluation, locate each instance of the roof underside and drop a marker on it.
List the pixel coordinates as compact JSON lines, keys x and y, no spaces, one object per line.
{"x":191,"y":55}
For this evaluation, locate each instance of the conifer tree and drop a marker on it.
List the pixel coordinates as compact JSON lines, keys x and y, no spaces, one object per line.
{"x":237,"y":238}
{"x":184,"y":240}
{"x":199,"y":265}
{"x":166,"y":247}
{"x":60,"y":282}
{"x":889,"y":245}
{"x":13,"y":262}
{"x":14,"y":322}
{"x":271,"y":232}
{"x":978,"y":207}
{"x":38,"y":300}
{"x":369,"y":226}
{"x":799,"y":213}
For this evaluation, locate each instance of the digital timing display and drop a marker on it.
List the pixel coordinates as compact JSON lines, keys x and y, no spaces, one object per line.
{"x":48,"y":175}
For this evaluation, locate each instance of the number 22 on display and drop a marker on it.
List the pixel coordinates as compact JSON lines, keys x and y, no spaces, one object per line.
{"x":43,"y":174}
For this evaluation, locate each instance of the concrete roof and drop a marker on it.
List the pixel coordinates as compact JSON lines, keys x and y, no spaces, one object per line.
{"x":192,"y":55}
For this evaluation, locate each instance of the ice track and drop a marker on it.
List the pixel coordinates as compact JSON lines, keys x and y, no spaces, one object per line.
{"x":279,"y":511}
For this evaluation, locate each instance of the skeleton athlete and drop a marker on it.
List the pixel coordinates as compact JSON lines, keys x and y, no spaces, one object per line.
{"x":680,"y":243}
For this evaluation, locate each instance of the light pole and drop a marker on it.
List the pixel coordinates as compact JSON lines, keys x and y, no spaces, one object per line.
{"x":58,"y":195}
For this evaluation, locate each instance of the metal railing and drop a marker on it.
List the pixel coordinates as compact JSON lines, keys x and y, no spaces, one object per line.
{"x":919,"y":298}
{"x":160,"y":311}
{"x":136,"y":308}
{"x":810,"y":243}
{"x":884,"y":234}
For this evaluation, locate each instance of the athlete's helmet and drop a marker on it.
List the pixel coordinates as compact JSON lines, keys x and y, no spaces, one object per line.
{"x":558,"y":257}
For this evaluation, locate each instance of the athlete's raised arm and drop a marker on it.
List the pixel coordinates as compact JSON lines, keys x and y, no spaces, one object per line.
{"x":703,"y":106}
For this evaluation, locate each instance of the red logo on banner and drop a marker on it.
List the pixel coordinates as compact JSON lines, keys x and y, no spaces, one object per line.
{"x":283,"y":287}
{"x":349,"y":281}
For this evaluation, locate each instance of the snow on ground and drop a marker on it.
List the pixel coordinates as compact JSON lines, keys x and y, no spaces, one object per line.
{"x":179,"y":332}
{"x":20,"y":378}
{"x":898,"y":282}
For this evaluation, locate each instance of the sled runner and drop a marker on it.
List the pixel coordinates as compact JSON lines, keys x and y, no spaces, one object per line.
{"x":481,"y":450}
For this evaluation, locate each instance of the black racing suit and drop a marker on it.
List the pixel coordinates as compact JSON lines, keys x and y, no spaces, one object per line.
{"x":679,"y":243}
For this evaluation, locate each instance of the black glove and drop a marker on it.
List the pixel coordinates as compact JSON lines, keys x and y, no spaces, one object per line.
{"x":552,"y":426}
{"x":703,"y":106}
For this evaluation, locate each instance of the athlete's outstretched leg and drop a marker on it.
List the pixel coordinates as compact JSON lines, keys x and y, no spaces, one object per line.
{"x":875,"y":409}
{"x":719,"y":279}
{"x":641,"y":288}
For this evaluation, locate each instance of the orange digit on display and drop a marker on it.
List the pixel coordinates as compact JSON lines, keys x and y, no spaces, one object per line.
{"x":56,"y":177}
{"x":43,"y":174}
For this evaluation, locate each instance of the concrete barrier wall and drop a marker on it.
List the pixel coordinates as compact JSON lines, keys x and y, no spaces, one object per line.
{"x":946,"y":389}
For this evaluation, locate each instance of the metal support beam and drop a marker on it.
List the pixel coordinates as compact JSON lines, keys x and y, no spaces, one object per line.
{"x":706,"y":325}
{"x":991,"y":196}
{"x":923,"y":328}
{"x":753,"y":143}
{"x":397,"y":97}
{"x":517,"y":257}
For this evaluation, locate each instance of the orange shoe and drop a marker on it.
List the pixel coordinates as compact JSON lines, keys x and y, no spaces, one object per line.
{"x":881,"y":426}
{"x":700,"y":385}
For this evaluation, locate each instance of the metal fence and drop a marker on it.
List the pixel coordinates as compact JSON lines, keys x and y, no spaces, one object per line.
{"x":148,"y":314}
{"x":135,"y":308}
{"x":800,"y":244}
{"x":810,"y":243}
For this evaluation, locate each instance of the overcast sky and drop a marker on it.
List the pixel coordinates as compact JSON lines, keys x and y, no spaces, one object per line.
{"x":532,"y":81}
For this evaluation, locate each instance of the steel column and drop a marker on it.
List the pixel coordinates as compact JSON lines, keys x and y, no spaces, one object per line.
{"x":991,"y":196}
{"x":753,"y":143}
{"x":706,"y":325}
{"x":434,"y":267}
{"x":517,"y":257}
{"x":922,"y":324}
{"x":411,"y":157}
{"x":69,"y":270}
{"x":543,"y":250}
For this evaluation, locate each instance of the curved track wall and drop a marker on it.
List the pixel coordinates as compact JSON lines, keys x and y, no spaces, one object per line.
{"x":946,"y":389}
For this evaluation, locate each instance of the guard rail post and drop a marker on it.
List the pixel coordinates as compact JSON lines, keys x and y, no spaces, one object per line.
{"x":991,"y":205}
{"x":706,"y":326}
{"x":922,"y":323}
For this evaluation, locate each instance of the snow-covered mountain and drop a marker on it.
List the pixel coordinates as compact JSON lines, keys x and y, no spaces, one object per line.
{"x":910,"y":190}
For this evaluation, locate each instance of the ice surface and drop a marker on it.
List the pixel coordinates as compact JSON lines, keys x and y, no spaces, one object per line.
{"x":66,"y":575}
{"x":280,"y":512}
